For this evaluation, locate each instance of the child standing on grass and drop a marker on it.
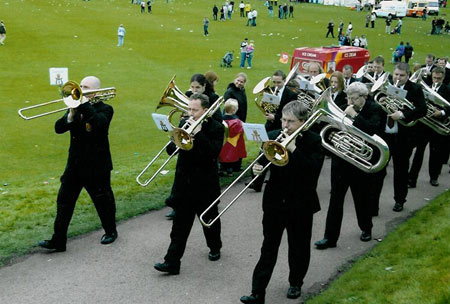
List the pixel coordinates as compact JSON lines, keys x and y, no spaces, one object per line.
{"x":234,"y":148}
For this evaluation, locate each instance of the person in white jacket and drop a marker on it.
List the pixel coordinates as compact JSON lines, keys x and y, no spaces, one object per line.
{"x":121,"y":33}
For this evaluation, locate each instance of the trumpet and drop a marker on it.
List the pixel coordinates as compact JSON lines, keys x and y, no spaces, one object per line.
{"x":183,"y":138}
{"x":390,"y":103}
{"x":266,"y":99}
{"x":72,"y":97}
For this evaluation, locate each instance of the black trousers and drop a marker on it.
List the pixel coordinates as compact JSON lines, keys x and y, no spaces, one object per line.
{"x":344,"y":176}
{"x":420,"y":142}
{"x":401,"y":148}
{"x":375,"y":188}
{"x":330,"y":31}
{"x":181,"y":227}
{"x":99,"y":189}
{"x":439,"y":153}
{"x":298,"y":226}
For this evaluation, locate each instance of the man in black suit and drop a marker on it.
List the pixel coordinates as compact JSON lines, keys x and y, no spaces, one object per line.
{"x":195,"y":187}
{"x":368,"y":118}
{"x":442,"y":62}
{"x":347,"y":72}
{"x":428,"y":66}
{"x":274,"y":120}
{"x":89,"y":165}
{"x":313,"y":69}
{"x":402,"y":139}
{"x":289,"y":202}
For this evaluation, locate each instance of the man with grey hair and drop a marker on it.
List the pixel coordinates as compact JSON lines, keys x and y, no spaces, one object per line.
{"x":313,"y":69}
{"x":89,"y":166}
{"x":289,"y":202}
{"x":196,"y":186}
{"x":401,"y":139}
{"x":367,"y":117}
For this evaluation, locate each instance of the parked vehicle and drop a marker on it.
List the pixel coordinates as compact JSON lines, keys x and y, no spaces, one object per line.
{"x":393,"y":8}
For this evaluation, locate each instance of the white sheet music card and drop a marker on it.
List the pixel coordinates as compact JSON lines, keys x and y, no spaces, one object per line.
{"x":270,"y":98}
{"x":162,"y":122}
{"x":393,"y":90}
{"x":255,"y":132}
{"x":58,"y":76}
{"x":306,"y":86}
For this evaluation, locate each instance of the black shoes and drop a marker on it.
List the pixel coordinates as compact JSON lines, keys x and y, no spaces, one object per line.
{"x":398,"y":207}
{"x":253,"y":299}
{"x":165,"y":267}
{"x":366,"y":236}
{"x":170,"y":215}
{"x":108,"y":238}
{"x":294,"y":292}
{"x":411,"y":183}
{"x":214,"y":255}
{"x":324,"y":244}
{"x":50,"y":244}
{"x":434,"y":182}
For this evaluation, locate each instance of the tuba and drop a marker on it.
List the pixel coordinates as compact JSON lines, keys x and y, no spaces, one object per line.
{"x":362,"y":73}
{"x":435,"y":102}
{"x":266,"y":99}
{"x":388,"y":102}
{"x":369,"y":153}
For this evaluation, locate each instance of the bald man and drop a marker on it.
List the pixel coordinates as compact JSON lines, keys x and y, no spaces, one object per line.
{"x":88,"y":166}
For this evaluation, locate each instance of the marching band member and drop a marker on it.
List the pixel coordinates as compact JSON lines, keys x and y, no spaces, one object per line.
{"x":347,"y":72}
{"x":313,"y":69}
{"x":200,"y":85}
{"x":289,"y":202}
{"x":89,"y":166}
{"x":439,"y":147}
{"x":195,"y":186}
{"x":337,"y":84}
{"x":367,"y":117}
{"x":273,"y":121}
{"x":400,"y":138}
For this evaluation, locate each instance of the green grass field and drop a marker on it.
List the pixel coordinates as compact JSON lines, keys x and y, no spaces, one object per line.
{"x":83,"y":36}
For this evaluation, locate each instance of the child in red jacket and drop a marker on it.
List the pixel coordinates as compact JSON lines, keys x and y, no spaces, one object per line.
{"x":234,"y":148}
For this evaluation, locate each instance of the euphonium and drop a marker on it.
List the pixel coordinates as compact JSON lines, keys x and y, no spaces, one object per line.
{"x":266,"y":99}
{"x":390,"y":103}
{"x":368,"y":153}
{"x":434,"y":102}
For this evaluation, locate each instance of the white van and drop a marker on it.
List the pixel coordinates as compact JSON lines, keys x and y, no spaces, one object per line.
{"x":395,"y":8}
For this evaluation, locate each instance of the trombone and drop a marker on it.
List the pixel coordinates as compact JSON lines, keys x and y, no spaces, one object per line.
{"x":183,"y":138}
{"x":72,"y":96}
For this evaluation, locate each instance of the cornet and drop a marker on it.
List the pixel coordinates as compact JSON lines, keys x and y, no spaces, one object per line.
{"x":72,"y":96}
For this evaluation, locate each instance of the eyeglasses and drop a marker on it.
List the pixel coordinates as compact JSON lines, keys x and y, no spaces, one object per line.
{"x":355,"y":98}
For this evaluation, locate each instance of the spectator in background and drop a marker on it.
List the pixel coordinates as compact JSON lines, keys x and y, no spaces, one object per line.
{"x":388,"y":24}
{"x":409,"y":52}
{"x":249,"y":18}
{"x":205,"y":26}
{"x":399,"y":52}
{"x":254,"y":15}
{"x":215,"y":12}
{"x":367,"y":19}
{"x":250,"y":50}
{"x":142,"y":6}
{"x":424,"y":14}
{"x":363,"y":42}
{"x":291,"y":11}
{"x":356,"y":41}
{"x":349,"y":30}
{"x":222,"y":14}
{"x":230,"y":10}
{"x":330,"y":28}
{"x":2,"y":33}
{"x":372,"y":20}
{"x":285,"y":11}
{"x":341,"y":27}
{"x":248,"y":8}
{"x":149,"y":6}
{"x":399,"y":26}
{"x":212,"y":78}
{"x":244,"y":45}
{"x":241,"y":9}
{"x":121,"y":33}
{"x":233,"y":151}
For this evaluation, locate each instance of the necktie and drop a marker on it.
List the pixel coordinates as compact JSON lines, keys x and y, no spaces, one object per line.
{"x":390,"y":122}
{"x":376,"y":76}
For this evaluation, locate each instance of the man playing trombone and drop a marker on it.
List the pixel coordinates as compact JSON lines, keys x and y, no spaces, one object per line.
{"x":289,"y":202}
{"x":89,"y":165}
{"x":195,"y":186}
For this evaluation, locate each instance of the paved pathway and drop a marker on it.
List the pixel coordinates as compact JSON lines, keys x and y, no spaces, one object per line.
{"x":123,"y":271}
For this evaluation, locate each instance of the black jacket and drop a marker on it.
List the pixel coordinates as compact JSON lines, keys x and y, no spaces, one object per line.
{"x":238,"y":94}
{"x":196,"y":176}
{"x":89,"y":152}
{"x":294,"y":185}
